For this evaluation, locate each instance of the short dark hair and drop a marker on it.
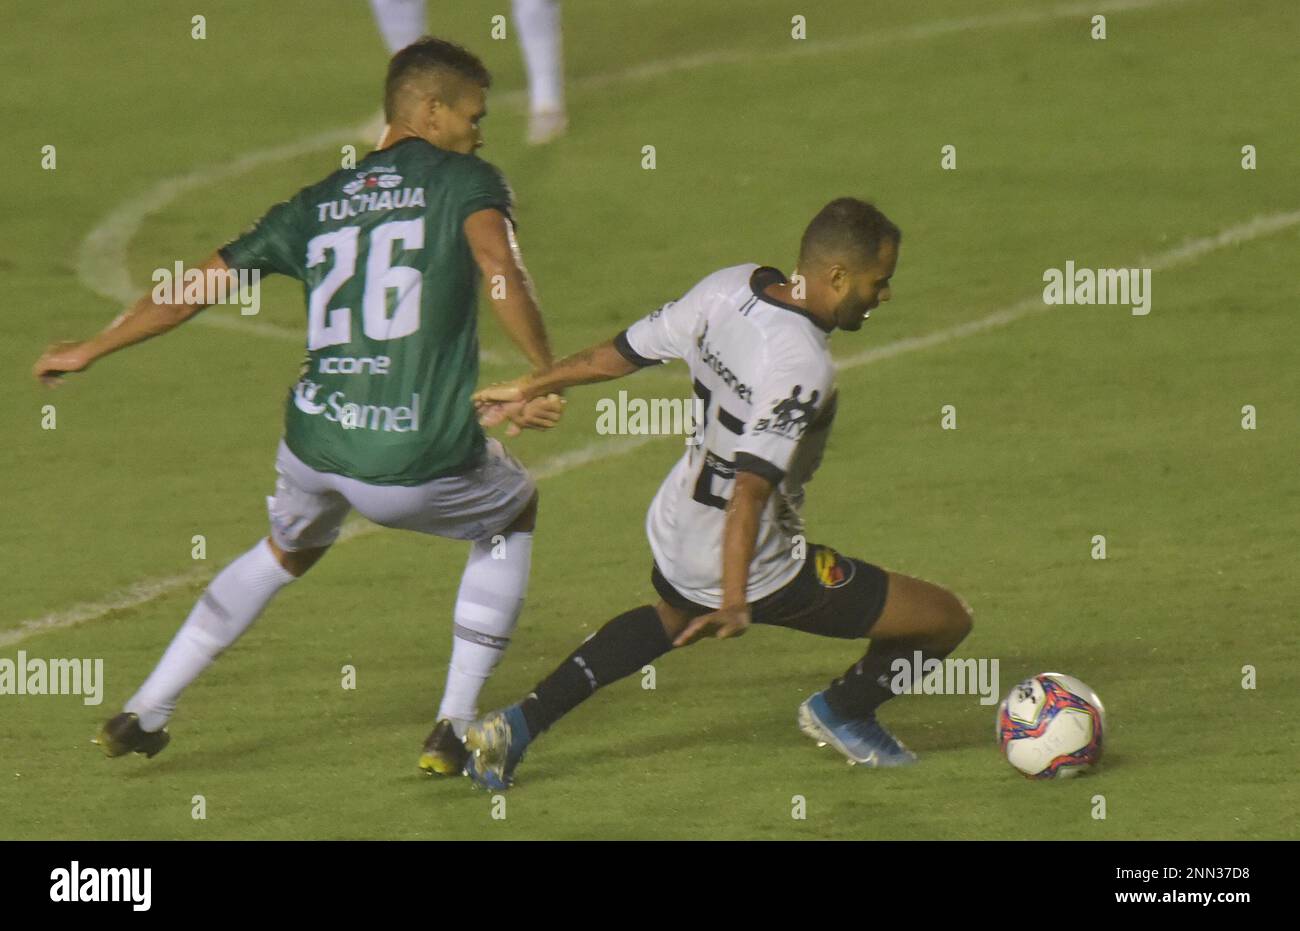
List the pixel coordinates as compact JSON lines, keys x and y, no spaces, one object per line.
{"x":849,"y":229}
{"x":436,"y":61}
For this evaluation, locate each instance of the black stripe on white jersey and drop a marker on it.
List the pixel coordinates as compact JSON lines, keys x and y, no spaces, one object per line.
{"x":731,"y":421}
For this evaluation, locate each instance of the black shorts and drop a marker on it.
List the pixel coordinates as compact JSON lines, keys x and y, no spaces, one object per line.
{"x":832,"y":596}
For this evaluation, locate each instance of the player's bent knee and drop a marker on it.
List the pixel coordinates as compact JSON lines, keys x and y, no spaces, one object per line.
{"x":917,"y":608}
{"x":951,"y":617}
{"x":961,"y":620}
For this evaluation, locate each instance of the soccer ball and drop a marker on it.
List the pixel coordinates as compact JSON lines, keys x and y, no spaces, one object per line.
{"x":1051,"y":727}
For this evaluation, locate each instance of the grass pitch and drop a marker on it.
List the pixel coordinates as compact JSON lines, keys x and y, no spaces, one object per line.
{"x":1071,"y":421}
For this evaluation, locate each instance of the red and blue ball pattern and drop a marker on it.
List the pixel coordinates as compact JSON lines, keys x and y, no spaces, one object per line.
{"x":1055,"y":700}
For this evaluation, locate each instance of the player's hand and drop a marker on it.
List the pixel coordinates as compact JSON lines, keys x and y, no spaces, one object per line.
{"x":723,"y":623}
{"x":503,"y":392}
{"x":59,"y":360}
{"x":537,"y":414}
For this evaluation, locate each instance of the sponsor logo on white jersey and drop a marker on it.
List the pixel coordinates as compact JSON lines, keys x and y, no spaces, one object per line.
{"x":712,"y":358}
{"x":791,"y":416}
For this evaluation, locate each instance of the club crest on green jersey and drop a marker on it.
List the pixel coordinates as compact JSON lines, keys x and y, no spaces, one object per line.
{"x":382,"y":177}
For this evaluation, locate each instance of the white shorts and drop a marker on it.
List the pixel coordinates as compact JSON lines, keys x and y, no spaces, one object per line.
{"x":308,"y":507}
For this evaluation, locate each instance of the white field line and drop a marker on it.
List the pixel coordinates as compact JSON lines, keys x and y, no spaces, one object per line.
{"x":1179,"y":255}
{"x":918,"y":32}
{"x":144,"y":592}
{"x":102,"y":256}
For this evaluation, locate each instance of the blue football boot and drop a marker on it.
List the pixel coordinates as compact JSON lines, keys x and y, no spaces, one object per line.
{"x":496,"y":743}
{"x":864,"y":742}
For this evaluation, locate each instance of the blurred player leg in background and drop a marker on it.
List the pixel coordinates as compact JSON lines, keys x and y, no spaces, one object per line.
{"x":400,"y":22}
{"x":538,"y":22}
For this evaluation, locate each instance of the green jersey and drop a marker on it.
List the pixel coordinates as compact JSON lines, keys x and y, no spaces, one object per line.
{"x":392,"y":337}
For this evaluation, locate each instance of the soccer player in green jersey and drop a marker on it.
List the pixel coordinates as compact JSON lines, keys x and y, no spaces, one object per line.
{"x":381,"y":420}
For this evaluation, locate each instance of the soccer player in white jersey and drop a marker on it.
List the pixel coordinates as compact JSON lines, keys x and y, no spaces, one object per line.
{"x":724,"y":527}
{"x":402,"y":22}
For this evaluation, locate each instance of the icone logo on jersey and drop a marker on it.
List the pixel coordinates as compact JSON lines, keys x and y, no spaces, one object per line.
{"x":349,"y":415}
{"x":354,"y":365}
{"x":374,"y":178}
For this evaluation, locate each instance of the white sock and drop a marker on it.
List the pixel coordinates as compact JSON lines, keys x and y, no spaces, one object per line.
{"x":538,"y":23}
{"x":487,"y":607}
{"x":226,"y":609}
{"x":400,"y":21}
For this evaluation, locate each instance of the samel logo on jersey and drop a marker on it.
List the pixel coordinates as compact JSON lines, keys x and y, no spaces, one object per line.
{"x":371,"y":179}
{"x":404,"y":418}
{"x":791,"y":416}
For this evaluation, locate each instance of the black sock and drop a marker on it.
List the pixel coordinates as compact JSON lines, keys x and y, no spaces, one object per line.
{"x":865,"y":685}
{"x":618,"y":649}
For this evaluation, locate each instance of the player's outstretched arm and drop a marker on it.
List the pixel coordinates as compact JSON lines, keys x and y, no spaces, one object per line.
{"x":529,"y":398}
{"x":492,"y":241}
{"x":601,"y":362}
{"x":144,"y":319}
{"x":748,"y":498}
{"x":537,"y":395}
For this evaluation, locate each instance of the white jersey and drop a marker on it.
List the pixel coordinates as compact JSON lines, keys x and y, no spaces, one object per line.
{"x":763,"y":372}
